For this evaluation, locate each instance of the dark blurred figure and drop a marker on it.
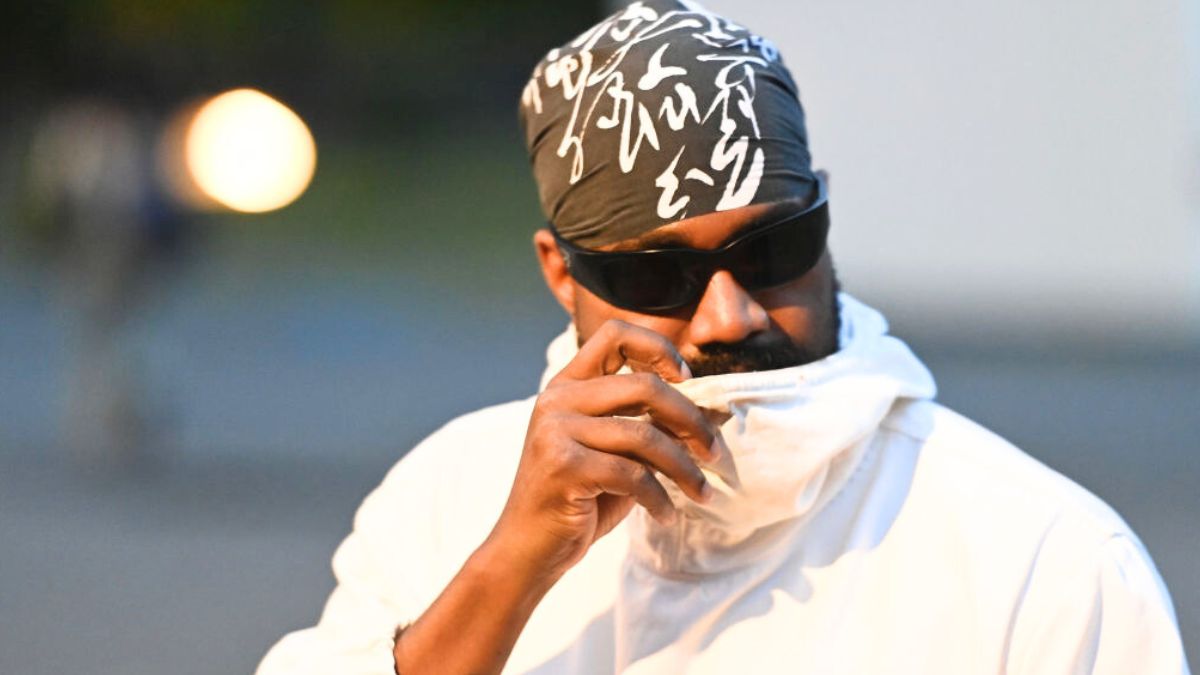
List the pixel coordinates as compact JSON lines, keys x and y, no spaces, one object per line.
{"x":96,"y":208}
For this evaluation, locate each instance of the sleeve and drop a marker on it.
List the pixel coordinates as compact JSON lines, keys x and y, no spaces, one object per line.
{"x":383,"y":571}
{"x":1108,"y":613}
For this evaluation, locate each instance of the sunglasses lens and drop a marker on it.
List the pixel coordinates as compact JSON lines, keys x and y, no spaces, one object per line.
{"x":654,"y":281}
{"x":649,"y":283}
{"x":776,"y":256}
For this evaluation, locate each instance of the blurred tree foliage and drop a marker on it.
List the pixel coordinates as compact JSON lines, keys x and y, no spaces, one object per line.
{"x":344,"y":63}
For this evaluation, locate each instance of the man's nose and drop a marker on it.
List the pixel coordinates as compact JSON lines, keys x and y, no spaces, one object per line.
{"x":726,"y":313}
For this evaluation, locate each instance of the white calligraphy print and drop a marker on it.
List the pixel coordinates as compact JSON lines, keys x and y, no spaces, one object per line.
{"x":601,"y":98}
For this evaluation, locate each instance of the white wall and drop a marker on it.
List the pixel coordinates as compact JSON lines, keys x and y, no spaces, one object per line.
{"x":1013,"y":166}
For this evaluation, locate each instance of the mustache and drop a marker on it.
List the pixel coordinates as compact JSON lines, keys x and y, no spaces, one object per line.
{"x":758,"y":353}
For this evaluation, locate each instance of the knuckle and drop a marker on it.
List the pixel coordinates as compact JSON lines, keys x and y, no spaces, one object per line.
{"x":544,"y":443}
{"x":649,"y":385}
{"x":556,"y":397}
{"x":559,"y":379}
{"x":644,"y":434}
{"x":567,"y":460}
{"x":558,"y":419}
{"x":613,"y":328}
{"x":548,"y":399}
{"x":639,"y":474}
{"x":546,"y":420}
{"x":665,"y":346}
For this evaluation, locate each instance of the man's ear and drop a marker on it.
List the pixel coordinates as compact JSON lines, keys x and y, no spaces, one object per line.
{"x":554,"y":270}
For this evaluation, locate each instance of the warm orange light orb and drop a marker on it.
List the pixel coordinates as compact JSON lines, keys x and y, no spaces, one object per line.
{"x":249,"y":152}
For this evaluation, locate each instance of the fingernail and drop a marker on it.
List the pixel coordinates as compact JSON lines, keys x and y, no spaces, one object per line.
{"x":683,"y":368}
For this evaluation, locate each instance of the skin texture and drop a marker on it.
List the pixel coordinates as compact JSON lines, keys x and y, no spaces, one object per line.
{"x":585,"y":465}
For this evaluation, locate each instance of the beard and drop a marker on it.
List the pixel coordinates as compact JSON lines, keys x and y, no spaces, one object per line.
{"x":763,"y":351}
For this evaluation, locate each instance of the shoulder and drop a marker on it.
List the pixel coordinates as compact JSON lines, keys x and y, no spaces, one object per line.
{"x":438,"y":502}
{"x":483,"y":440}
{"x":987,"y":511}
{"x":992,"y":523}
{"x":455,"y":480}
{"x":959,"y":462}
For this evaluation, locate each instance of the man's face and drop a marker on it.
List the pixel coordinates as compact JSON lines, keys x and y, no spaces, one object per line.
{"x":728,"y":329}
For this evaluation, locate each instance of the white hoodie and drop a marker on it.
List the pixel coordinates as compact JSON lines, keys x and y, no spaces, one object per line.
{"x":859,"y":528}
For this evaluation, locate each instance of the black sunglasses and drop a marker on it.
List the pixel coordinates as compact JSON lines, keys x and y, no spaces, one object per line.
{"x":660,"y":280}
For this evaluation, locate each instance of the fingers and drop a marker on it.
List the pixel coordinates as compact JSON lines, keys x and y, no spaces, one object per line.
{"x":618,"y":475}
{"x":605,"y":454}
{"x":643,"y":442}
{"x":617,"y":344}
{"x":643,"y":394}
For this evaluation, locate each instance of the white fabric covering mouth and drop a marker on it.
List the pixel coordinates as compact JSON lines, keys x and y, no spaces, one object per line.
{"x":794,"y":434}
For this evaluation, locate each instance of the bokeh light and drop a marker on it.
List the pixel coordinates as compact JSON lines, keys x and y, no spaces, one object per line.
{"x":249,"y":152}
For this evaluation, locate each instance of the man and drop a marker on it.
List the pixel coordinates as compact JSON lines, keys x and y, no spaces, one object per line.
{"x":730,"y":465}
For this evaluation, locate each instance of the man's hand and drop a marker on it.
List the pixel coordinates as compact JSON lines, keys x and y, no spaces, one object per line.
{"x":584,"y":466}
{"x":586,"y":463}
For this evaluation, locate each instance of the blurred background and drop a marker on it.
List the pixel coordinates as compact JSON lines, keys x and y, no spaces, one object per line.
{"x":251,"y":251}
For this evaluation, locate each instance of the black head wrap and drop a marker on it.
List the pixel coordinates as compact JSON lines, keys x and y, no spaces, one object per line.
{"x":661,"y":112}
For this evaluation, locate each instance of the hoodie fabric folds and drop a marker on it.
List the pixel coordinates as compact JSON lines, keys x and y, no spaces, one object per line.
{"x":795,"y":435}
{"x":860,"y":527}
